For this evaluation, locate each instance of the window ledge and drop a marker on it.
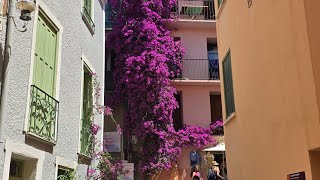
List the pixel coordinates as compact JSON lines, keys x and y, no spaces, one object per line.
{"x":220,"y":8}
{"x":84,"y":159}
{"x":39,"y":138}
{"x":229,"y":118}
{"x":87,"y":22}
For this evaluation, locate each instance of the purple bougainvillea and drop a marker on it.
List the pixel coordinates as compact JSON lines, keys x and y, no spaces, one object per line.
{"x":146,"y":58}
{"x":217,"y":127}
{"x":106,"y":168}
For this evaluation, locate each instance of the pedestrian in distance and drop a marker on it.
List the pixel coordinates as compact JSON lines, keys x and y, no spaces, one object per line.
{"x":196,"y":173}
{"x":214,"y":172}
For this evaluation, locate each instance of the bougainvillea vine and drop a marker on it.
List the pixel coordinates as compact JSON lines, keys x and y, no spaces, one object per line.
{"x":106,"y":167}
{"x":146,"y":59}
{"x":217,"y":127}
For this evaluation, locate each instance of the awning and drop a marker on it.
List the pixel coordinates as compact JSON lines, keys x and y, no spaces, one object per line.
{"x":218,"y":148}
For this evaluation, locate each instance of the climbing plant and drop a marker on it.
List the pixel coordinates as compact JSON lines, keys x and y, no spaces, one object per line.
{"x":146,"y":59}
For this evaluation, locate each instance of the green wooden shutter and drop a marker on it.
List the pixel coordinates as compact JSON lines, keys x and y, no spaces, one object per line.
{"x":87,"y":110}
{"x":87,"y":95}
{"x":44,"y":73}
{"x":228,"y":85}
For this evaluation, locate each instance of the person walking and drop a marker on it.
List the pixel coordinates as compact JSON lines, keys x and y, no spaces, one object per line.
{"x":214,"y":172}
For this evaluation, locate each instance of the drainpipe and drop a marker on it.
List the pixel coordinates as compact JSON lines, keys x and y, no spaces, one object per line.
{"x":5,"y":62}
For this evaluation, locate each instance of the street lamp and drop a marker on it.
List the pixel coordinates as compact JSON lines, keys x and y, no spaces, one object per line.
{"x":26,"y":7}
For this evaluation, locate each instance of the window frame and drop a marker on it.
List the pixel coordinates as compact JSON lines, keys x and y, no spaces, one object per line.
{"x":228,"y":54}
{"x":51,"y":18}
{"x":62,"y":163}
{"x":24,"y":151}
{"x":180,"y":103}
{"x":87,"y":64}
{"x":220,"y":7}
{"x":89,"y":21}
{"x":220,"y":2}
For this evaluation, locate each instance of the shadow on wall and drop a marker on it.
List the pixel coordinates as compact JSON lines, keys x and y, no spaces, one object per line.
{"x":2,"y":62}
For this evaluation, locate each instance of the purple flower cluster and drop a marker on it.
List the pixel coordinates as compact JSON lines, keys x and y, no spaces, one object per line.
{"x":217,"y":127}
{"x":195,"y":136}
{"x":107,"y":168}
{"x":147,"y":57}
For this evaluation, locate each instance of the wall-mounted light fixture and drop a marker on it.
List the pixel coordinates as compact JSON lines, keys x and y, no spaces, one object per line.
{"x":26,"y":7}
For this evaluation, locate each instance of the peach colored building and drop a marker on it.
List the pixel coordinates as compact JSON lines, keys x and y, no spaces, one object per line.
{"x":270,"y":65}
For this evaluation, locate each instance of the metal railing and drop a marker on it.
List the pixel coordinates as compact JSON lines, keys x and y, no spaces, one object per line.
{"x":194,"y":9}
{"x":86,"y":138}
{"x":200,"y":69}
{"x":87,"y":14}
{"x":44,"y":111}
{"x":110,"y":15}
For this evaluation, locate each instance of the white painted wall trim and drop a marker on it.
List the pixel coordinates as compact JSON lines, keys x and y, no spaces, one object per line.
{"x":51,"y":17}
{"x":23,"y":150}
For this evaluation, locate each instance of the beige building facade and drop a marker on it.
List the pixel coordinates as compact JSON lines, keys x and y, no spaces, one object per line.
{"x":270,"y":69}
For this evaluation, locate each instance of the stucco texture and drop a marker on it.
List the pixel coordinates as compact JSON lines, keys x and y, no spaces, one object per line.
{"x":276,"y":122}
{"x":76,"y":40}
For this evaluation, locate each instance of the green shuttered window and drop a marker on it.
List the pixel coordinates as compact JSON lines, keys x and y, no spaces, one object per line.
{"x":87,"y":10}
{"x":45,"y":62}
{"x":228,"y":85}
{"x":87,"y":110}
{"x":43,"y":106}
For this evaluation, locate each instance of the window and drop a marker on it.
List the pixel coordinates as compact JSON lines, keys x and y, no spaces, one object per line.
{"x":87,"y":12}
{"x":65,"y":173}
{"x":216,"y":109}
{"x":213,"y":61}
{"x":110,"y":60}
{"x":228,"y":85}
{"x":16,"y":169}
{"x":43,"y":105}
{"x":177,"y":113}
{"x":111,"y":13}
{"x":219,"y":3}
{"x":87,"y":110}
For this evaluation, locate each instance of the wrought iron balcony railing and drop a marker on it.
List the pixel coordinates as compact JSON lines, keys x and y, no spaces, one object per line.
{"x":86,"y":138}
{"x":44,"y":111}
{"x":194,"y":9}
{"x":87,"y":15}
{"x":200,"y":69}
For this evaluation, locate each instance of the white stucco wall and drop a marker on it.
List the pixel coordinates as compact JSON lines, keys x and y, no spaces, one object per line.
{"x":76,"y":40}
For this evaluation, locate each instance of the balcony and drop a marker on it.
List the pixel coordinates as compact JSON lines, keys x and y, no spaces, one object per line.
{"x":199,"y":69}
{"x":44,"y":111}
{"x":110,"y":14}
{"x":86,"y":138}
{"x":88,"y":19}
{"x":194,"y":10}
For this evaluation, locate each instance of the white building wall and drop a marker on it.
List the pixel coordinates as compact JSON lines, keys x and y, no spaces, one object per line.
{"x":76,"y":40}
